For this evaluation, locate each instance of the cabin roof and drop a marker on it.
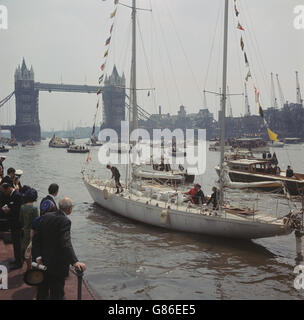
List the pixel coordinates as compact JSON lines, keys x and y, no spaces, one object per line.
{"x":248,"y":161}
{"x":248,"y":139}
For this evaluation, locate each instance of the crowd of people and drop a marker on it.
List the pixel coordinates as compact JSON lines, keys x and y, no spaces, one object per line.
{"x":38,"y":235}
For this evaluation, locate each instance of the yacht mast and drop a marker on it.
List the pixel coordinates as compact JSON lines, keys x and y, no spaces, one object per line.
{"x":133,"y":95}
{"x":224,"y":97}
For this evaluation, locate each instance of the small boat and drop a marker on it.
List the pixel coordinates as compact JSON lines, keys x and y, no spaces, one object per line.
{"x":293,"y":140}
{"x":57,"y":142}
{"x":77,"y":149}
{"x":260,"y":185}
{"x":12,"y":142}
{"x":172,"y":177}
{"x":276,"y":144}
{"x":3,"y":149}
{"x":28,"y":143}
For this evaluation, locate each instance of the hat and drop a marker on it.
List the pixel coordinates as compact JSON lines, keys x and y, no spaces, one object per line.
{"x":197,"y":185}
{"x":19,"y":172}
{"x":47,"y":206}
{"x":2,"y":157}
{"x":33,"y":277}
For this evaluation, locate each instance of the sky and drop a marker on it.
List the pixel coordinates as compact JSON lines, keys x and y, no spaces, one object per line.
{"x":179,"y":53}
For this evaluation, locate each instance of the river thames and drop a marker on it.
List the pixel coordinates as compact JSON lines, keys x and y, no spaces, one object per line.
{"x":129,"y":260}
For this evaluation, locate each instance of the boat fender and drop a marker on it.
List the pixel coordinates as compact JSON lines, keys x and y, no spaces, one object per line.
{"x":164,"y":216}
{"x":106,"y":194}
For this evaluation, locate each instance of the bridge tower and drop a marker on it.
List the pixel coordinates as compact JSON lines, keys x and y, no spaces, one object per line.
{"x":27,"y":100}
{"x":114,"y":94}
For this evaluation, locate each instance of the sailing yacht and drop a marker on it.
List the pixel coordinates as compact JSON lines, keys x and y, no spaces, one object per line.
{"x":165,"y":207}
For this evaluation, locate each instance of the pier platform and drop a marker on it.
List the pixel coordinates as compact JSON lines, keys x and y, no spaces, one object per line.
{"x":18,"y":290}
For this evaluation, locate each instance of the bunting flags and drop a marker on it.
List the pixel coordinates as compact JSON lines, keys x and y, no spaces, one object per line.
{"x":108,"y":41}
{"x":99,"y":91}
{"x":100,"y":79}
{"x":88,"y":158}
{"x":248,"y":76}
{"x":240,"y":27}
{"x":257,"y":95}
{"x":111,"y":29}
{"x":246,"y":59}
{"x":102,"y":67}
{"x":242,"y":44}
{"x":236,"y":10}
{"x":261,"y":112}
{"x":106,"y":53}
{"x":272,"y":135}
{"x":114,"y":13}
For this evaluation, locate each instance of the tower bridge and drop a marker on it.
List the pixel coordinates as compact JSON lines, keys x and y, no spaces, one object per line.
{"x":26,"y":93}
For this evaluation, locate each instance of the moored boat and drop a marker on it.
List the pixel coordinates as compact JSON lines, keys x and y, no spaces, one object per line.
{"x":257,"y":170}
{"x":57,"y":142}
{"x":77,"y":149}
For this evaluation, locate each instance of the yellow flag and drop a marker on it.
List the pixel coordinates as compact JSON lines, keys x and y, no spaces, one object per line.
{"x":272,"y":136}
{"x":113,"y":14}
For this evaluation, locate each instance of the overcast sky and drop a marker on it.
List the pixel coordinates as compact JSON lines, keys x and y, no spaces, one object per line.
{"x":179,"y":52}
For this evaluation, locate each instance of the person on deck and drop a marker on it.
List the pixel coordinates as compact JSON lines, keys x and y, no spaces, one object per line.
{"x":116,"y":176}
{"x":214,"y":198}
{"x":289,"y":172}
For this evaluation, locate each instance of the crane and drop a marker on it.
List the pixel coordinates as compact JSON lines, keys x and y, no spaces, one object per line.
{"x":274,"y":101}
{"x":299,"y":96}
{"x":282,"y":98}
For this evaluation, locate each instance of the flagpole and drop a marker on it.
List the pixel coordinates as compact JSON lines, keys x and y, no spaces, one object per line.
{"x":224,"y":96}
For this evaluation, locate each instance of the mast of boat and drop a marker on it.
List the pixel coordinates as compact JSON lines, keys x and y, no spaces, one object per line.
{"x":133,"y":113}
{"x":224,"y":97}
{"x":133,"y":94}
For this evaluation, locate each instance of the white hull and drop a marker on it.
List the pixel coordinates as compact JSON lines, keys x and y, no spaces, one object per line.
{"x":155,"y":213}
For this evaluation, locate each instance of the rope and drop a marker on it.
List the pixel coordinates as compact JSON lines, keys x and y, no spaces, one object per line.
{"x":6,"y":99}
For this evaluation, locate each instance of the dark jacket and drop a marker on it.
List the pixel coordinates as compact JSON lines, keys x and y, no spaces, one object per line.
{"x":199,"y":197}
{"x":14,"y":202}
{"x":52,"y":242}
{"x":115,"y":173}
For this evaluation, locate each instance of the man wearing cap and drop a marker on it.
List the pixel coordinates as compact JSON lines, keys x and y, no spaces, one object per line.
{"x":196,"y":195}
{"x":17,"y":182}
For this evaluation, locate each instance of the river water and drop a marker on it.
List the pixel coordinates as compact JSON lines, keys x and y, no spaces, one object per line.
{"x":129,"y":260}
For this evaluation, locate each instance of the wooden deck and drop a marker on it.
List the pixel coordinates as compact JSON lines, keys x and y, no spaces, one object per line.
{"x":18,"y":290}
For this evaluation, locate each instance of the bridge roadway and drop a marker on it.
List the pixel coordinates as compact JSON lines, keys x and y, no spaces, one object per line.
{"x":52,"y":87}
